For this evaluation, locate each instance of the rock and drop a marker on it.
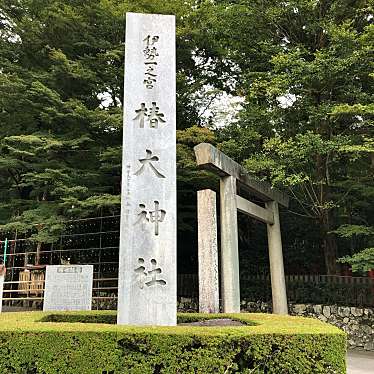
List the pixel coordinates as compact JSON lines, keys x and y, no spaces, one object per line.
{"x":264,"y":307}
{"x":251,"y":306}
{"x":317,"y":309}
{"x":326,"y":311}
{"x":333,"y":320}
{"x":368,"y":312}
{"x":353,"y":326}
{"x":346,"y":320}
{"x":299,"y":308}
{"x":351,"y":343}
{"x":369,"y":346}
{"x":357,"y":312}
{"x":344,"y":311}
{"x":367,"y":330}
{"x":322,"y":318}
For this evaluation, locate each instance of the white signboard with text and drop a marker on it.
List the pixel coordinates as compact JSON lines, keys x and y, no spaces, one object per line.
{"x":68,"y":287}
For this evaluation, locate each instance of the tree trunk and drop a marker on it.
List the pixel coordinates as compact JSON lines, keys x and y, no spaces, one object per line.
{"x":329,"y":244}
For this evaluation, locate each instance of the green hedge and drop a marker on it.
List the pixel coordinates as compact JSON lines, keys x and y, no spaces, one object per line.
{"x":36,"y":342}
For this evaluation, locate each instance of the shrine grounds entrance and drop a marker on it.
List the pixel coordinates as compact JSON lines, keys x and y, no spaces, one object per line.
{"x":231,"y":174}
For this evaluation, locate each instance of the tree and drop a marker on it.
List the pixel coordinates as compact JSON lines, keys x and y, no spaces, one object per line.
{"x":61,"y":93}
{"x":362,"y":261}
{"x":305,"y":69}
{"x":53,"y":129}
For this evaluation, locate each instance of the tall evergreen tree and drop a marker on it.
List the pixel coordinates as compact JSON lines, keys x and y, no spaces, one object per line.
{"x":61,"y":95}
{"x":305,"y":69}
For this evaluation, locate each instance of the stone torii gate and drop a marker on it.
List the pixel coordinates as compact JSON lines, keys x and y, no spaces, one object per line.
{"x":231,"y":174}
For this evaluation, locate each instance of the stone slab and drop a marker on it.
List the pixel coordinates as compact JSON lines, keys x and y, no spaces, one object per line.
{"x":68,"y":287}
{"x":207,"y":252}
{"x":147,"y":287}
{"x":211,"y":158}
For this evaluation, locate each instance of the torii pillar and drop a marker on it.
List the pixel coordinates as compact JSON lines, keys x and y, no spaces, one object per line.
{"x":231,"y":173}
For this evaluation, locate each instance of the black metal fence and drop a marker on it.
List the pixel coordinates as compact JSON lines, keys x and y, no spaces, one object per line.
{"x":301,"y":289}
{"x":95,"y":241}
{"x":315,"y":289}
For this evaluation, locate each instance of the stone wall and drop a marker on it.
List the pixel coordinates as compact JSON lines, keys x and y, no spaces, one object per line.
{"x":358,"y":323}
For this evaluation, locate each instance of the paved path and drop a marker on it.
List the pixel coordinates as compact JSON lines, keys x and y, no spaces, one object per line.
{"x":360,"y":362}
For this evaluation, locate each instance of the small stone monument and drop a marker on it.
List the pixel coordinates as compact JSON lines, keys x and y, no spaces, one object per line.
{"x":2,"y":279}
{"x":68,"y":287}
{"x":147,"y":285}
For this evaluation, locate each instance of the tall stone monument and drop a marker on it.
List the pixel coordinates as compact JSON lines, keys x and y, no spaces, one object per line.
{"x":147,"y":259}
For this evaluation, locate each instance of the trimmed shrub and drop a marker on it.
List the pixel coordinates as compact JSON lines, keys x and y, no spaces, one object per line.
{"x":89,"y":343}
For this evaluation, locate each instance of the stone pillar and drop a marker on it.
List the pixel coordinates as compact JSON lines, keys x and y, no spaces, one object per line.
{"x":278,"y":282}
{"x":207,"y":252}
{"x":147,"y":285}
{"x":230,"y":284}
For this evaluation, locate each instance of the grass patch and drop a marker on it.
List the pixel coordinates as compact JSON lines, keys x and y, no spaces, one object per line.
{"x":90,"y":343}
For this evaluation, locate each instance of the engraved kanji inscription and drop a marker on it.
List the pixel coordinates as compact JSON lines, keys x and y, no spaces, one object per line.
{"x":141,"y":115}
{"x":155,"y":116}
{"x":150,"y":74}
{"x":142,"y":216}
{"x":151,"y":40}
{"x":155,"y":216}
{"x":148,"y":278}
{"x":150,"y":53}
{"x":152,"y":115}
{"x":149,"y":161}
{"x":141,"y":274}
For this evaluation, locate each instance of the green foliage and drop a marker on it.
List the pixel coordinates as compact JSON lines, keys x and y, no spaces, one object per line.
{"x":305,"y":69}
{"x":264,"y":344}
{"x":361,"y":261}
{"x":61,"y":93}
{"x":347,"y":231}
